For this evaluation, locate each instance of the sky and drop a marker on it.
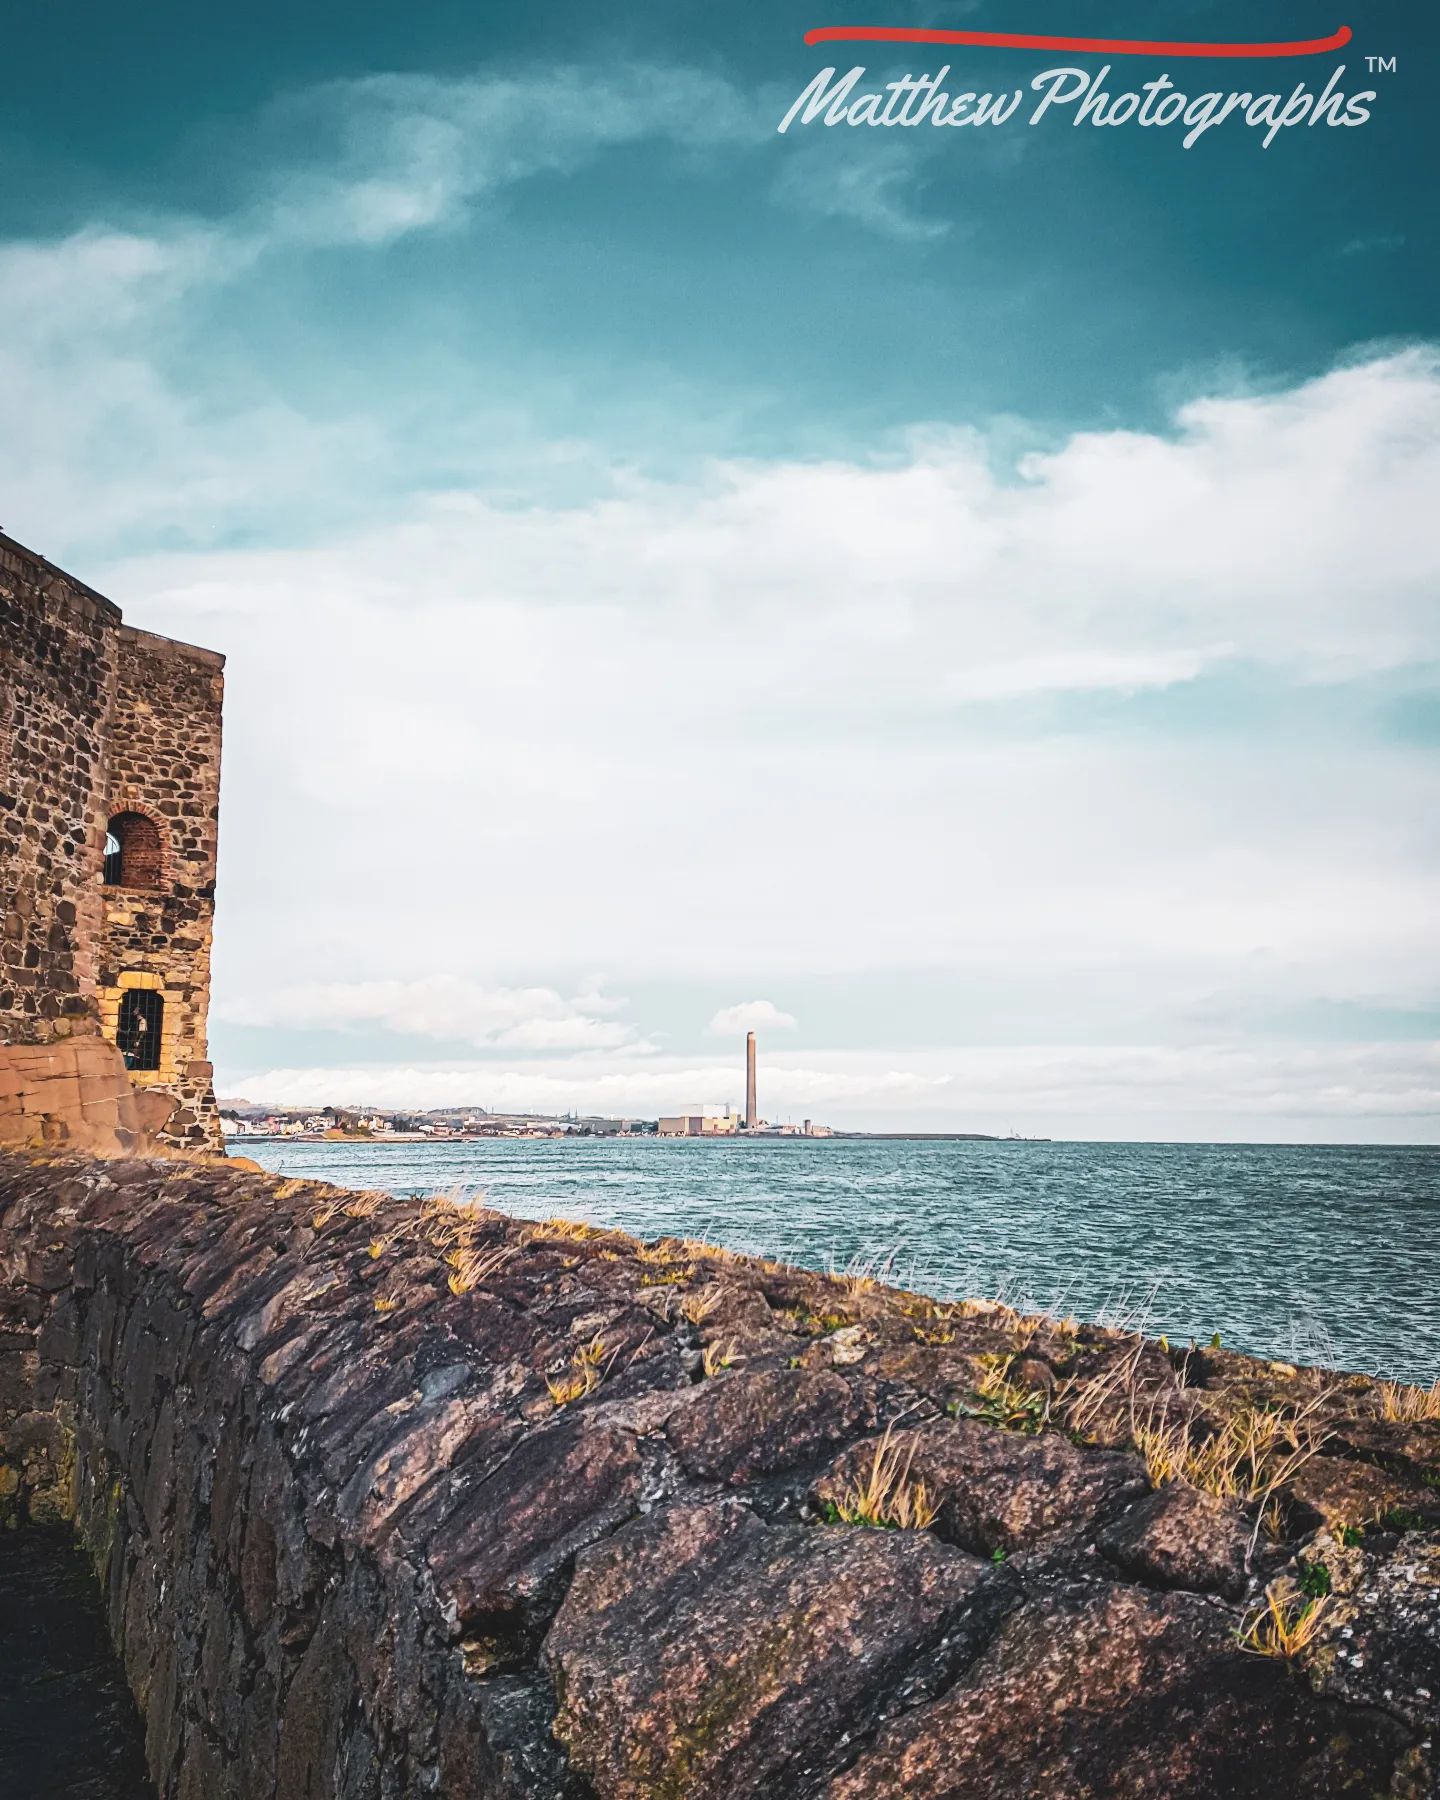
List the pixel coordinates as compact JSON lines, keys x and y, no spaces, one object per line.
{"x":961,"y":603}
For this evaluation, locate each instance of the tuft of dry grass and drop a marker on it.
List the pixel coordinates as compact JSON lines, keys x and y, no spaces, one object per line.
{"x":447,"y":1218}
{"x":441,"y":1206}
{"x":718,"y":1356}
{"x":1250,"y":1457}
{"x":376,"y":1248}
{"x":887,"y":1498}
{"x":385,"y":1303}
{"x":1009,"y":1404}
{"x":864,"y":1275}
{"x":699,"y":1306}
{"x":445,"y":1230}
{"x":469,"y":1267}
{"x":663,"y":1250}
{"x":563,"y":1231}
{"x":700,"y":1247}
{"x":583,"y":1376}
{"x":1282,"y":1626}
{"x":1084,"y":1401}
{"x":671,"y":1277}
{"x":1407,"y":1405}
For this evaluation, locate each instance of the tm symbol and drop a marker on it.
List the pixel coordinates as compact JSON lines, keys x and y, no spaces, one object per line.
{"x":1380,"y":65}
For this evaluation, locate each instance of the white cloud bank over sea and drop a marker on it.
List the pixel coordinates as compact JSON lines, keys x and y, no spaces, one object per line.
{"x":1281,"y":1093}
{"x":1121,"y":720}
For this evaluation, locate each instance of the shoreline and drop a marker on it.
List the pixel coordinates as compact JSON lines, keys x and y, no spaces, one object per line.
{"x":647,"y":1137}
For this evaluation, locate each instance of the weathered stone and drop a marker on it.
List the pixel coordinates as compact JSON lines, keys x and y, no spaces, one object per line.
{"x":1119,"y":1377}
{"x":1409,"y":1447}
{"x":498,"y":1560}
{"x":1182,"y":1538}
{"x":701,"y":1653}
{"x":1118,"y":1691}
{"x":1334,"y":1492}
{"x":995,"y":1490}
{"x":1379,"y":1637}
{"x":746,"y":1425}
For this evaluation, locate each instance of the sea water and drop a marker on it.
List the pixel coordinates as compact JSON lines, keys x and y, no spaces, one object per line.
{"x":1319,"y":1254}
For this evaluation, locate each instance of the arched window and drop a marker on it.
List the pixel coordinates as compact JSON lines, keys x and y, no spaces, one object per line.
{"x":132,"y":851}
{"x":138,"y":1034}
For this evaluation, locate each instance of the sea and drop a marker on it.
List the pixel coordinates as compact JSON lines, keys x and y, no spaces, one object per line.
{"x":1319,"y":1254}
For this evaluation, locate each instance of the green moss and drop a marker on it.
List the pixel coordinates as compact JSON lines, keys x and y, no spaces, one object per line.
{"x":1403,"y":1518}
{"x":732,"y":1694}
{"x":815,"y":1324}
{"x":1314,"y":1579}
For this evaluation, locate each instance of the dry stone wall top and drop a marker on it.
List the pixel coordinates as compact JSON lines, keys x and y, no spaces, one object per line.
{"x":392,"y":1497}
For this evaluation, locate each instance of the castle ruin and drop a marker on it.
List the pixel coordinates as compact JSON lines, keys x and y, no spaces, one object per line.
{"x":109,"y":807}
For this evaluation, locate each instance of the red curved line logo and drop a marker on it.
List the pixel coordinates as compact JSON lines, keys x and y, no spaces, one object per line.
{"x":1020,"y":40}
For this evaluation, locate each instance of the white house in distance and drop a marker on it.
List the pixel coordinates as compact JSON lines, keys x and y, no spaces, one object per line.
{"x":701,"y":1121}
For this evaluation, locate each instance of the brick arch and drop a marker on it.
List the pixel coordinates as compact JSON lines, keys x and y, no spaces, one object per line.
{"x":152,"y":866}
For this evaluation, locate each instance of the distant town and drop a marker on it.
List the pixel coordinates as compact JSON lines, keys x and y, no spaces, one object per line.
{"x":243,"y":1118}
{"x":239,"y":1118}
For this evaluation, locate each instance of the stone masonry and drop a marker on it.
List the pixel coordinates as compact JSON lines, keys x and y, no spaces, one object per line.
{"x":392,"y":1498}
{"x":101,"y":723}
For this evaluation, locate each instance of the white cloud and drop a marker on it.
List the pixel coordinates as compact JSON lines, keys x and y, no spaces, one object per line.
{"x":749,"y":1015}
{"x":871,"y":184}
{"x":410,"y":152}
{"x":148,"y":433}
{"x":744,"y":728}
{"x":1278,"y":1091}
{"x":442,"y":1006}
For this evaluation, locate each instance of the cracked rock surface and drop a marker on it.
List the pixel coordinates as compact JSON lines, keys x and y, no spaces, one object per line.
{"x":391,"y":1497}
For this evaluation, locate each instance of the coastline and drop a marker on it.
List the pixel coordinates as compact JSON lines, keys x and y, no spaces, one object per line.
{"x":638,"y":1137}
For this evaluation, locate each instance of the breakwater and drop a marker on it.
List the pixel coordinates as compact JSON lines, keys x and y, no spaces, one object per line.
{"x":391,"y":1497}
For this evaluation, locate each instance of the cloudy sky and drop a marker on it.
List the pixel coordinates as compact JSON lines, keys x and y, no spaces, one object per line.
{"x":964,"y":605}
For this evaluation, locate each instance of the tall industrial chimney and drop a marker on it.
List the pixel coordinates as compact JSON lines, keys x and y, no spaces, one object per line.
{"x":752,"y":1117}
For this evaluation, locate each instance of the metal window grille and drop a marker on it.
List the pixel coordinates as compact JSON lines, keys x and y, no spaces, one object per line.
{"x":138,"y":1035}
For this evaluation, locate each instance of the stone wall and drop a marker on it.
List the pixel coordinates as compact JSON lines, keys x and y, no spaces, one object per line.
{"x":76,"y":1093}
{"x":164,"y":764}
{"x":96,"y":719}
{"x":57,"y":680}
{"x":391,"y":1498}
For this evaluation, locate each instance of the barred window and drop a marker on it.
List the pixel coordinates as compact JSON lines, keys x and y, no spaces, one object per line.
{"x":138,"y":1036}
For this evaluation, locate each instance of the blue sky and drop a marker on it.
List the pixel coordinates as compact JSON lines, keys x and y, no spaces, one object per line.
{"x":971,"y":595}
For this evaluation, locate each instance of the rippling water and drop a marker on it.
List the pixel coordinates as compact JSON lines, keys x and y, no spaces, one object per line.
{"x":1316,"y":1253}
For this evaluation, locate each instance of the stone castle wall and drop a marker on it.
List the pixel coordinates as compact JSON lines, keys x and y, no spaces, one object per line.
{"x":58,"y":644}
{"x":97,"y":718}
{"x":164,"y":764}
{"x":392,"y":1498}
